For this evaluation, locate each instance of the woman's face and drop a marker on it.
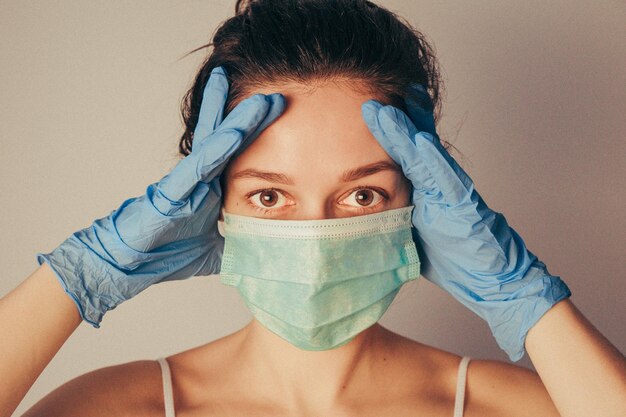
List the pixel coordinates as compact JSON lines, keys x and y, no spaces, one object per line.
{"x":318,"y":160}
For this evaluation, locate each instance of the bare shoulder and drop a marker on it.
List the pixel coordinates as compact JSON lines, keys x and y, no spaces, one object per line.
{"x":133,"y":388}
{"x":496,"y":388}
{"x":493,"y":388}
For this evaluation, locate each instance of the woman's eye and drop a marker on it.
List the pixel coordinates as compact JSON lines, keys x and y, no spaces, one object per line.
{"x":266,"y":199}
{"x":271,"y":200}
{"x":365,"y":197}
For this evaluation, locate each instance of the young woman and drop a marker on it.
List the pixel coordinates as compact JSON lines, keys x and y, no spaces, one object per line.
{"x":315,"y":182}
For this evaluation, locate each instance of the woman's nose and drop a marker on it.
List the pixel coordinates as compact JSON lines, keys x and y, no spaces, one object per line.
{"x":318,"y":209}
{"x":314,"y":212}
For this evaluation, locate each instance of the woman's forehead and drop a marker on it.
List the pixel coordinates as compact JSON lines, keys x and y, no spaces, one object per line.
{"x":322,"y":129}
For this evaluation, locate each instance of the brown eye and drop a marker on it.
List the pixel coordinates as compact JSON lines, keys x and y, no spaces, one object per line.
{"x":364,"y":197}
{"x":268,"y":198}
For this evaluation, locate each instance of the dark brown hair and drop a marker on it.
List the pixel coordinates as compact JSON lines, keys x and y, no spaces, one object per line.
{"x":272,"y":42}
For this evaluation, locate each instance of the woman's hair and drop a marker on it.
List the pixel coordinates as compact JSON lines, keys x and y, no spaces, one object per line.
{"x":274,"y":42}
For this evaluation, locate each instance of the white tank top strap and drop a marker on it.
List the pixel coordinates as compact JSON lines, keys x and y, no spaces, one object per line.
{"x":168,"y":394}
{"x":460,"y":387}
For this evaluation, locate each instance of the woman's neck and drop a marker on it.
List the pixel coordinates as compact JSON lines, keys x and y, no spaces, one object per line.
{"x":310,"y":380}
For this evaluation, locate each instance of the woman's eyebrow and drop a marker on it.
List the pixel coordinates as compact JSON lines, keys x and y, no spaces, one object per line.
{"x":348,"y":175}
{"x":369,"y":169}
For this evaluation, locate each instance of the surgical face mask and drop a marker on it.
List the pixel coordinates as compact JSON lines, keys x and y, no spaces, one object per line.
{"x":319,"y":283}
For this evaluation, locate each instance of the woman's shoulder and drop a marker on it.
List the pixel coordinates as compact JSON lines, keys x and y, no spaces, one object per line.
{"x":492,"y":387}
{"x":500,"y":388}
{"x":133,"y":388}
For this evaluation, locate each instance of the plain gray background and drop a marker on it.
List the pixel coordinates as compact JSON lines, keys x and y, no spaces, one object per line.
{"x":90,"y":95}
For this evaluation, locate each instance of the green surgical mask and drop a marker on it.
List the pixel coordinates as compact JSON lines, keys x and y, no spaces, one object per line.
{"x":319,"y":283}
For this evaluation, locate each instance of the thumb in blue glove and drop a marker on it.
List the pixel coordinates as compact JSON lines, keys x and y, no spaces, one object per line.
{"x":466,"y":248}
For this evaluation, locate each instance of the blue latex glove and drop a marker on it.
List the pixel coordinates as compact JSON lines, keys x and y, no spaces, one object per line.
{"x":466,"y":248}
{"x":169,"y":233}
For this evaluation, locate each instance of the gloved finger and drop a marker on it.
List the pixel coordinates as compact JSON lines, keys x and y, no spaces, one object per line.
{"x":453,"y":183}
{"x":205,"y":163}
{"x":420,"y":108}
{"x":429,"y":167}
{"x":441,"y":181}
{"x":399,"y":143}
{"x":214,"y":99}
{"x":251,"y":128}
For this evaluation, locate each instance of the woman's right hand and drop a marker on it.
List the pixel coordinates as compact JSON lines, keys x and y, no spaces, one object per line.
{"x":170,"y":232}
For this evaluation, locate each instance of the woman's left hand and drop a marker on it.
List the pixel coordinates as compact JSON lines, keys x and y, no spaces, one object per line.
{"x":465,"y":248}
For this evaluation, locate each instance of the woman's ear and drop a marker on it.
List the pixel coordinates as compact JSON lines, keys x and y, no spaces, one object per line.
{"x":220,"y":222}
